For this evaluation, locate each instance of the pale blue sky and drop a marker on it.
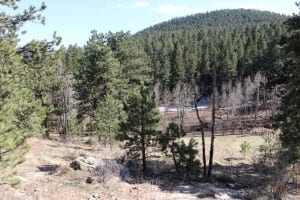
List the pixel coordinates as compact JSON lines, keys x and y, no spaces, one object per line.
{"x":74,"y":19}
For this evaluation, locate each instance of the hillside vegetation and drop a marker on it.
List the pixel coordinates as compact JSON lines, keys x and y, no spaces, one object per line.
{"x":219,"y":18}
{"x":226,"y":84}
{"x":240,"y":42}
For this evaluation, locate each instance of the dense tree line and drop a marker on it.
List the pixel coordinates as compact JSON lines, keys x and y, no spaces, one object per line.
{"x":221,"y":18}
{"x":187,"y":55}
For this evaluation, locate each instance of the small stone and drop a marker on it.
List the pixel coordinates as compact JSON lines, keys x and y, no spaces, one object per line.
{"x":89,"y":180}
{"x":75,"y":165}
{"x":95,"y":196}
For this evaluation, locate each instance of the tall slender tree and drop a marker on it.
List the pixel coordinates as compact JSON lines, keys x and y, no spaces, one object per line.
{"x":42,"y":65}
{"x":139,"y":130}
{"x":21,"y":114}
{"x":96,"y":78}
{"x":289,"y":75}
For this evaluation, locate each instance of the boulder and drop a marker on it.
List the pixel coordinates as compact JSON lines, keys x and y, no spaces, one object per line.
{"x":86,"y":163}
{"x":100,"y":169}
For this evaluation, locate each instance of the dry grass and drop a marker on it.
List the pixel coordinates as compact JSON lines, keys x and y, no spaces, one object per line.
{"x":229,"y":147}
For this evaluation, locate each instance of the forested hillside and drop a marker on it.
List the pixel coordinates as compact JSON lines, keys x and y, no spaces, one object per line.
{"x":128,"y":107}
{"x":184,"y":49}
{"x":219,"y":18}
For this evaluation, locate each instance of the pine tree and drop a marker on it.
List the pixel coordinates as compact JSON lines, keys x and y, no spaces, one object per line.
{"x":41,"y":61}
{"x":134,"y":64}
{"x":96,"y":77}
{"x":183,"y":156}
{"x":107,"y":119}
{"x":289,"y":75}
{"x":21,"y":115}
{"x":177,"y":72}
{"x":139,"y":129}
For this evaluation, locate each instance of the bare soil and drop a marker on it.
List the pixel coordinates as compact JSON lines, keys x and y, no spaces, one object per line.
{"x":46,"y":175}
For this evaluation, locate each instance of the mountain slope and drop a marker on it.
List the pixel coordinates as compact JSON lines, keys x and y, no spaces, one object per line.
{"x":228,"y":17}
{"x":184,"y":49}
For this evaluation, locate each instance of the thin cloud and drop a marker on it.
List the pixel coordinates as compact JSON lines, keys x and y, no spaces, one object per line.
{"x":141,"y":4}
{"x":138,"y":4}
{"x":168,"y":9}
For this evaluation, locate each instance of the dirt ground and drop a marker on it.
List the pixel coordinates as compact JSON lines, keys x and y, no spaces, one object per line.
{"x":46,"y":175}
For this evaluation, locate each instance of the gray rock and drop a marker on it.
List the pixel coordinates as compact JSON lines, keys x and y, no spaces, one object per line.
{"x":86,"y":163}
{"x":100,"y":169}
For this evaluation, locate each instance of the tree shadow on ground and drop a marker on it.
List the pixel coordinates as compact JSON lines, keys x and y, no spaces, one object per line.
{"x":243,"y":181}
{"x":48,"y":168}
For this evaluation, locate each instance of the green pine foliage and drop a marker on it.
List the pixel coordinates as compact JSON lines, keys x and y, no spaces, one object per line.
{"x":20,"y":113}
{"x":184,"y":49}
{"x":182,"y":154}
{"x":107,"y":119}
{"x":187,"y":153}
{"x":219,"y":18}
{"x":139,"y":130}
{"x":41,"y":66}
{"x":245,"y":148}
{"x":113,"y":75}
{"x":134,"y":62}
{"x":96,"y":77}
{"x":288,"y":75}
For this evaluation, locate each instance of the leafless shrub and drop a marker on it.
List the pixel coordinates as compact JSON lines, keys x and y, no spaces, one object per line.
{"x":110,"y":168}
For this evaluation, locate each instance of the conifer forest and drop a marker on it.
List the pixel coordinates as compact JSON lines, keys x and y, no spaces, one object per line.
{"x":205,"y":106}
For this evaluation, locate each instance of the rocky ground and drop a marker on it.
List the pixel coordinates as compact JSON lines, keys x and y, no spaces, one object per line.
{"x":46,"y":174}
{"x":94,"y":174}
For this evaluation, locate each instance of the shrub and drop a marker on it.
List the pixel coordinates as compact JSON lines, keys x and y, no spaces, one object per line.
{"x":245,"y":147}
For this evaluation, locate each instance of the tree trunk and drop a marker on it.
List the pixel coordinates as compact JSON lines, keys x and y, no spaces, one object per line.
{"x":213,"y":121}
{"x":257,"y":103}
{"x":144,"y":155}
{"x":202,"y":138}
{"x":143,"y":141}
{"x":45,"y":124}
{"x":174,"y":159}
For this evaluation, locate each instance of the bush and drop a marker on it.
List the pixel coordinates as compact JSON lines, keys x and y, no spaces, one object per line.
{"x":110,"y":168}
{"x":245,"y":147}
{"x":183,"y":156}
{"x":186,"y":154}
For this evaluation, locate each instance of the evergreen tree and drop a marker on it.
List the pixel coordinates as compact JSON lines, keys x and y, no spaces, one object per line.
{"x":139,"y":129}
{"x":107,"y":119}
{"x":134,"y":64}
{"x":41,"y":61}
{"x":72,"y":57}
{"x":289,"y":75}
{"x":96,"y":77}
{"x":21,"y":114}
{"x":183,"y":156}
{"x":177,"y":72}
